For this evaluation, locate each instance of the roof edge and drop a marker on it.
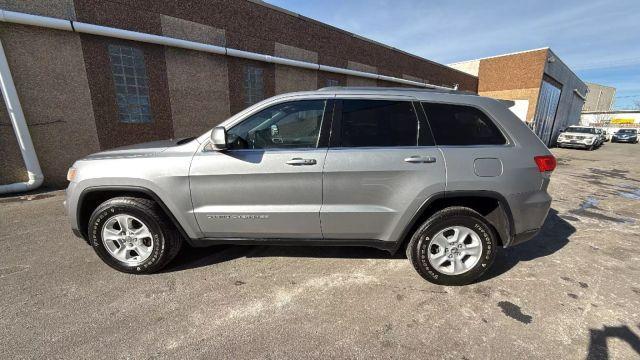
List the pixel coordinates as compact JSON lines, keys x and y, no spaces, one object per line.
{"x":500,"y":55}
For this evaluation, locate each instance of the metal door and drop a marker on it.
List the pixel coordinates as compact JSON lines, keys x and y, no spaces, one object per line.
{"x":546,"y":111}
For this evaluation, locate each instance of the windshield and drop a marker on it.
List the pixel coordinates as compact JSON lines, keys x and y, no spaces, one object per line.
{"x":627,"y":131}
{"x":584,"y":130}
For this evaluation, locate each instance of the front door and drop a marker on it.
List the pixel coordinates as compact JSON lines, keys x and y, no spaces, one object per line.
{"x":269,"y":183}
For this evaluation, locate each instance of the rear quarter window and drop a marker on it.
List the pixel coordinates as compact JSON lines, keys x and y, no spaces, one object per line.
{"x":461,"y":125}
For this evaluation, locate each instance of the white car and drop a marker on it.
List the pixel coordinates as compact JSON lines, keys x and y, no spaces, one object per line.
{"x":584,"y":137}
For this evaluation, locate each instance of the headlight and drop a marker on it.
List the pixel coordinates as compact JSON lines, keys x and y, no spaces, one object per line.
{"x":71,"y":174}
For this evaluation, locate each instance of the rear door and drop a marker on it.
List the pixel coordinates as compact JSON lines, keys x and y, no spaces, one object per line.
{"x":478,"y":152}
{"x":380,"y":167}
{"x":269,"y":183}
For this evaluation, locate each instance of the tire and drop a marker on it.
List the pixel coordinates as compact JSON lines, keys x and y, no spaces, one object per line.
{"x":590,"y":148}
{"x":160,"y":246}
{"x":424,"y":240}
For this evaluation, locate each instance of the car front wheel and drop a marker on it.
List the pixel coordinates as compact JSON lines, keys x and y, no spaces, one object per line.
{"x":455,"y":246}
{"x":133,"y":235}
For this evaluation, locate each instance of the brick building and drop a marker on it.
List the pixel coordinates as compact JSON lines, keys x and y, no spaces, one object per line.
{"x":544,"y":91}
{"x":84,"y":92}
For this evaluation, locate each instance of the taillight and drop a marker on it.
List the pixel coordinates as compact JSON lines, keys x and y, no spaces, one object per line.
{"x":545,"y":163}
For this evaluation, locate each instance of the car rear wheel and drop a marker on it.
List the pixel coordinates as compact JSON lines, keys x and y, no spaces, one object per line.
{"x":455,"y":246}
{"x":133,"y":235}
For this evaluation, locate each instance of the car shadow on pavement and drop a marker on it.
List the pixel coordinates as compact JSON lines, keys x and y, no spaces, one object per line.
{"x":554,"y":236}
{"x":195,"y":257}
{"x":190,"y":257}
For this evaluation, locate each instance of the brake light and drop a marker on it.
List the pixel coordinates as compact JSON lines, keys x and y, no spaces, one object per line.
{"x":545,"y":163}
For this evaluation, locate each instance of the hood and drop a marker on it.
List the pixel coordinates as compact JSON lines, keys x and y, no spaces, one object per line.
{"x":138,"y":150}
{"x":578,"y":134}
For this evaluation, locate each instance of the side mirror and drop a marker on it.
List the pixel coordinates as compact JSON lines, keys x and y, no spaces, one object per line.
{"x":219,"y":138}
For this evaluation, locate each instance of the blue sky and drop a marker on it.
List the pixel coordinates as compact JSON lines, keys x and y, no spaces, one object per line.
{"x":599,"y":40}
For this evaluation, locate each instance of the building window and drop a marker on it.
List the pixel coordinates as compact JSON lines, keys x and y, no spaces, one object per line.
{"x":253,"y":85}
{"x":332,"y":82}
{"x":131,"y":82}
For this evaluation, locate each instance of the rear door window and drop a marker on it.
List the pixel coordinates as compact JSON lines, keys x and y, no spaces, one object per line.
{"x":461,"y":125}
{"x":377,"y":123}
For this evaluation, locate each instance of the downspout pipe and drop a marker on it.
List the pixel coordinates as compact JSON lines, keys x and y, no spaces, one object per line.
{"x":80,"y":27}
{"x":10,"y":96}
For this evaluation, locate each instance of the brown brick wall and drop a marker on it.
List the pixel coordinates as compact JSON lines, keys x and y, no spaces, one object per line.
{"x":289,"y":78}
{"x":518,"y":94}
{"x":517,"y":71}
{"x":198,"y":82}
{"x":236,"y":79}
{"x":111,"y":131}
{"x":254,"y":27}
{"x":324,"y":76}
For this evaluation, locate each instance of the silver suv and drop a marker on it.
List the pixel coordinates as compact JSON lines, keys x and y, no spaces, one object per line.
{"x":446,"y":175}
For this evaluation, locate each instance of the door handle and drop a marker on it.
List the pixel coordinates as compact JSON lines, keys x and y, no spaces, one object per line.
{"x":420,"y":159}
{"x":300,"y":161}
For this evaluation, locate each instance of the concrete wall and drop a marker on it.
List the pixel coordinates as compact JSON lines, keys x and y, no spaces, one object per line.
{"x":599,"y":97}
{"x":290,"y":79}
{"x":359,"y":81}
{"x":471,"y":67}
{"x":198,"y":82}
{"x":49,"y":73}
{"x":570,"y":105}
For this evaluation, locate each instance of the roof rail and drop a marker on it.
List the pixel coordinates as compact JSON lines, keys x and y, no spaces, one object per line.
{"x":383,"y":88}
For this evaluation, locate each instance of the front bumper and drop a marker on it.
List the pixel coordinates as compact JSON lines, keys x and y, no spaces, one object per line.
{"x":70,"y":206}
{"x":576,"y":145}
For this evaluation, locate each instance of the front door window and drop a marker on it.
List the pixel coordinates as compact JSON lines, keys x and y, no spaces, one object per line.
{"x":294,"y":124}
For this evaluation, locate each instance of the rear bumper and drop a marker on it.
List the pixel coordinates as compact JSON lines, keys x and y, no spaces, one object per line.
{"x":522,"y":237}
{"x":529,"y":212}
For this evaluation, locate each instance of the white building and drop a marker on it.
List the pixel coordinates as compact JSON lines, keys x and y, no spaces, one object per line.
{"x":611,"y":119}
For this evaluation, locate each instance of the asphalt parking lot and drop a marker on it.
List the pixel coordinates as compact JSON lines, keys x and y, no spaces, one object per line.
{"x":573,"y":292}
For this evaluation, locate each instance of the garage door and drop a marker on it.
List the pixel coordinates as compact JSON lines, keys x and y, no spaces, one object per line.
{"x":546,"y":111}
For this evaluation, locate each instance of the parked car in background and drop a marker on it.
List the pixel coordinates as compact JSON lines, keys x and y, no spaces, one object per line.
{"x":448,"y":176}
{"x":584,"y":137}
{"x":625,"y":135}
{"x":602,"y":136}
